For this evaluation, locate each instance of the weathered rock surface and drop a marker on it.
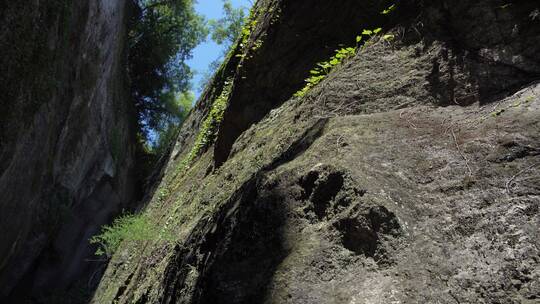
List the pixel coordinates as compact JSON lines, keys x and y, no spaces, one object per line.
{"x":66,"y":143}
{"x":409,"y":175}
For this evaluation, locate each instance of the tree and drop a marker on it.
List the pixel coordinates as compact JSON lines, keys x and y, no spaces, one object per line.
{"x":180,"y":110}
{"x":227,"y":29}
{"x":161,"y":38}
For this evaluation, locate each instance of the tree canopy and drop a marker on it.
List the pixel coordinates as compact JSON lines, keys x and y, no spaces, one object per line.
{"x":161,"y":39}
{"x":227,"y":29}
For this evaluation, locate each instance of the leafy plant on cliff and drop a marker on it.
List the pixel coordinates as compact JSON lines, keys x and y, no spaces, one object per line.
{"x":388,"y":10}
{"x":130,"y":228}
{"x":324,"y":68}
{"x":208,"y":131}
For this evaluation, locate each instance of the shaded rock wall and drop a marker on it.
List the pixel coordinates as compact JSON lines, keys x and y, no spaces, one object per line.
{"x":409,"y":175}
{"x":67,"y":144}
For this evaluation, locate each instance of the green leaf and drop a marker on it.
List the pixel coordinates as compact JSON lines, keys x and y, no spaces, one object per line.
{"x":324,"y":65}
{"x":388,"y":37}
{"x":377,"y":30}
{"x":358,"y":39}
{"x":389,"y":10}
{"x":367,"y":32}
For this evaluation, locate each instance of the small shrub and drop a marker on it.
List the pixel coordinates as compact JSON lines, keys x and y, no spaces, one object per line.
{"x":128,"y":227}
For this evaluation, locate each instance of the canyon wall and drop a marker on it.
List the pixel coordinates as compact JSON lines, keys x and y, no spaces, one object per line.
{"x":67,"y":141}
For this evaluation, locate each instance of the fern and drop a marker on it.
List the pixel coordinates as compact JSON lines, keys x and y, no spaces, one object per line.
{"x":127,"y":227}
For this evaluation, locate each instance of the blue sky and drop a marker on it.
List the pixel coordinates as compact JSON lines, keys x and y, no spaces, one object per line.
{"x":209,"y":51}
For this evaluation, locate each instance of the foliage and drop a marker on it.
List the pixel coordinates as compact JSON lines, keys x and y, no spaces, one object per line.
{"x":227,"y":29}
{"x":161,"y":38}
{"x":150,"y":151}
{"x":246,"y":32}
{"x":389,"y":10}
{"x":224,"y":31}
{"x":210,"y":125}
{"x":128,"y":227}
{"x":388,"y":37}
{"x":166,"y":136}
{"x":323,"y":69}
{"x":184,"y":103}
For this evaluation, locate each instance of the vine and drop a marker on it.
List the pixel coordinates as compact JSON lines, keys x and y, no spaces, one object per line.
{"x":322,"y":69}
{"x":208,"y":132}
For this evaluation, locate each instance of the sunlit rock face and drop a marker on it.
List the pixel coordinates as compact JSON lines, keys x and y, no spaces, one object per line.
{"x":66,"y":140}
{"x":409,"y":174}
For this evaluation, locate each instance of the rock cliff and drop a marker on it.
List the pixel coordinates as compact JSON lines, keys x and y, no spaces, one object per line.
{"x":409,"y":174}
{"x":66,"y":140}
{"x":405,"y":170}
